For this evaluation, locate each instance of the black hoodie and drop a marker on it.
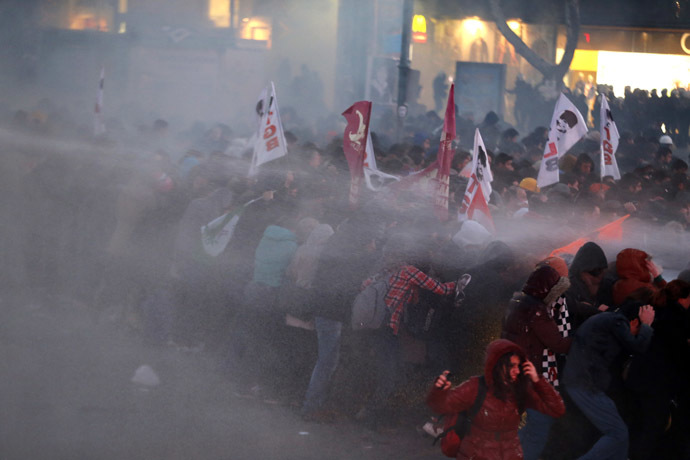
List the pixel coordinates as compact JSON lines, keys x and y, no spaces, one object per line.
{"x":581,"y":304}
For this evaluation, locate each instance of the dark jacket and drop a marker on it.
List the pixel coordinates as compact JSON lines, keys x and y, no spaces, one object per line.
{"x":664,"y":366}
{"x":597,"y":343}
{"x":528,"y":321}
{"x":343,"y":266}
{"x":582,"y":304}
{"x":494,"y":430}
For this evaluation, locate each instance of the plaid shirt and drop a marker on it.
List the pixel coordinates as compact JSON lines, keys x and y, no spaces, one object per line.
{"x":404,"y":289}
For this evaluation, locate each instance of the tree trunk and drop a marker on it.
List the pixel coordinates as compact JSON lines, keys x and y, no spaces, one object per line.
{"x":550,"y":71}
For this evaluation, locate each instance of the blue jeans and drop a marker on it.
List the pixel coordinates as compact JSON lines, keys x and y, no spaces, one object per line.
{"x":328,"y":337}
{"x":534,"y":434}
{"x":388,"y":365}
{"x":602,"y":412}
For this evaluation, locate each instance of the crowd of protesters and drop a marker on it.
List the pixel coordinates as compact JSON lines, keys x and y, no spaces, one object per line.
{"x":116,"y":223}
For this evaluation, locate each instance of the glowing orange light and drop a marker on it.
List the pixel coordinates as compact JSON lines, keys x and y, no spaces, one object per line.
{"x":419,"y":29}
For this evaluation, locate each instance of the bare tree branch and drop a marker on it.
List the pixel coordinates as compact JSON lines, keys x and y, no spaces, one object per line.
{"x":549,"y":70}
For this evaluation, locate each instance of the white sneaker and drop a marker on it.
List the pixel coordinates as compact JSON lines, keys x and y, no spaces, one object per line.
{"x":430,"y":429}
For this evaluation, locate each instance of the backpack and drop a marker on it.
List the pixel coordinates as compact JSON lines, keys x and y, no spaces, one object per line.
{"x":457,"y":426}
{"x":369,"y":309}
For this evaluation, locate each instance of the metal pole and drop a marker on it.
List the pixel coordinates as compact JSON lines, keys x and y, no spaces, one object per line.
{"x":404,"y":66}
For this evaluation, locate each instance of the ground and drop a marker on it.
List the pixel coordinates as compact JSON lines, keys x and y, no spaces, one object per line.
{"x":66,"y":393}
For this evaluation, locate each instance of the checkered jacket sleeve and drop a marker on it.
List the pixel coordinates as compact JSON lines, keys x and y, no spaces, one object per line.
{"x":404,"y":287}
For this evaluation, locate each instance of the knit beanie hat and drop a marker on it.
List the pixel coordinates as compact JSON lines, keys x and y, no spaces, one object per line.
{"x":557,"y":263}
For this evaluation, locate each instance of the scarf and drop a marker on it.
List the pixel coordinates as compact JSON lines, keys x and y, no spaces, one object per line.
{"x":559,"y":311}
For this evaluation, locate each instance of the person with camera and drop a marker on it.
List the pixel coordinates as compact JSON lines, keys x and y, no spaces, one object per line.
{"x":513,"y":385}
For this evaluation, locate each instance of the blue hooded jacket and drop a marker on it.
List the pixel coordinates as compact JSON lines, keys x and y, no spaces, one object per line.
{"x":273,"y":255}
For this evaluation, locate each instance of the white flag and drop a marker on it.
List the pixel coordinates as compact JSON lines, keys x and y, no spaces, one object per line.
{"x":376,"y":180}
{"x":475,"y":202}
{"x":567,"y":127}
{"x":98,"y":125}
{"x":270,"y":143}
{"x":609,"y":142}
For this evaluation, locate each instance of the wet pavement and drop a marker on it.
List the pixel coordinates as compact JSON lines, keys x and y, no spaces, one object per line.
{"x":66,"y":393}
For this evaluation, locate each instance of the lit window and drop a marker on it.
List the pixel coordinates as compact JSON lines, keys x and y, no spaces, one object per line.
{"x":473,"y":27}
{"x":88,"y":21}
{"x":219,"y":12}
{"x":256,"y":28}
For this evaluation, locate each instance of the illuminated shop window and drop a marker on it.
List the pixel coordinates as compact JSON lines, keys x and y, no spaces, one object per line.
{"x":474,"y":27}
{"x":219,"y":12}
{"x":88,"y":21}
{"x":256,"y":28}
{"x":91,"y":14}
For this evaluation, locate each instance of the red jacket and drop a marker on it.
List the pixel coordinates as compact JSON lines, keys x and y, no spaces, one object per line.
{"x":632,"y":274}
{"x":493,"y":435}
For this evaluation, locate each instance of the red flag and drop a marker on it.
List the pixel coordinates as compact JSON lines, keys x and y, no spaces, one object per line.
{"x":570,"y":248}
{"x":433,"y":181}
{"x":354,"y":144}
{"x":445,"y":157}
{"x":611,"y":231}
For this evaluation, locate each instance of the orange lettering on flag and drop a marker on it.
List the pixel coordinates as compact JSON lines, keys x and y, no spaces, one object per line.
{"x":272,"y":143}
{"x":269,"y":131}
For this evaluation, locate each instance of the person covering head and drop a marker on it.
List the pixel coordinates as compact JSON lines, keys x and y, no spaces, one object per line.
{"x":494,"y":352}
{"x":512,"y":385}
{"x":635,"y":270}
{"x":546,"y":284}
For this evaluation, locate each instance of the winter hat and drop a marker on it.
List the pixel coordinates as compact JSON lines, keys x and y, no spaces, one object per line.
{"x":665,"y":140}
{"x":529,"y":184}
{"x":545,"y":283}
{"x":471,"y":233}
{"x":556,"y":263}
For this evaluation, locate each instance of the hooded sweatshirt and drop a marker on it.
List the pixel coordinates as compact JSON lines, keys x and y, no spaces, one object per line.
{"x":631,"y":266}
{"x":273,"y":255}
{"x":494,"y":429}
{"x":581,"y":303}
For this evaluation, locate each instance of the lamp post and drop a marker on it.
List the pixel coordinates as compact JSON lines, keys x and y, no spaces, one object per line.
{"x":404,"y":66}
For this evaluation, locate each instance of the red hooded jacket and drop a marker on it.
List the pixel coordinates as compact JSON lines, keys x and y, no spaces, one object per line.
{"x":631,"y":267}
{"x":493,"y":435}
